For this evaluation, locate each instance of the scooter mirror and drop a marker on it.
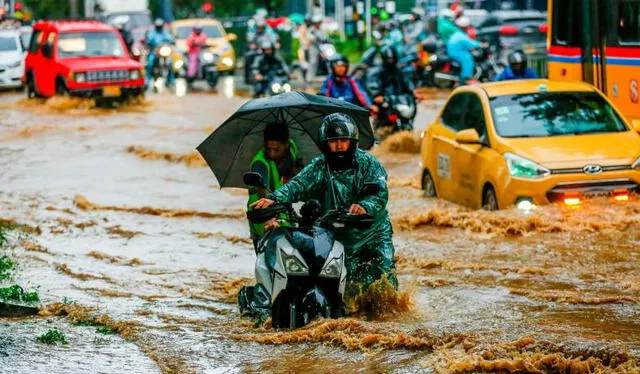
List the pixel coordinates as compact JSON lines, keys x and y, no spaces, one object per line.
{"x":253,"y":180}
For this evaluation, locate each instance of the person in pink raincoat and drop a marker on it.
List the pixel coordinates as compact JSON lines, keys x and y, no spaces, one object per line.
{"x":196,"y":41}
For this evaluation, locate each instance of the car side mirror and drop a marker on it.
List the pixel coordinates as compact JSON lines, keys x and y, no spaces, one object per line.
{"x":468,"y":136}
{"x":253,"y":180}
{"x":635,"y":125}
{"x":47,"y":51}
{"x":232,"y":37}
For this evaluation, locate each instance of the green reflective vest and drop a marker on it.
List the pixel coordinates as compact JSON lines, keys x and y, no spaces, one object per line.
{"x":274,"y":181}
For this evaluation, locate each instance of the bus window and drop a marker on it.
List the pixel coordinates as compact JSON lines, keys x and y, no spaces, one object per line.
{"x":629,"y":24}
{"x":566,"y":25}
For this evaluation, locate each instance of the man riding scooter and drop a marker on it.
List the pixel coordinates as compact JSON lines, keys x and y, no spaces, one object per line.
{"x":196,"y":41}
{"x":153,"y":40}
{"x":265,"y":66}
{"x":336,"y":179}
{"x":339,"y":85}
{"x":460,"y":47}
{"x":517,"y":68}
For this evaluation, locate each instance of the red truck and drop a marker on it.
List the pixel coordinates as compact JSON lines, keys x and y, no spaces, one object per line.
{"x":81,"y":58}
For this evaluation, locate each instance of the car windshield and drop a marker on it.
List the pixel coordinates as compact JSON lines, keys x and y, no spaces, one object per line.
{"x":8,"y":43}
{"x":212,"y":31}
{"x":83,"y":44}
{"x":553,"y":114}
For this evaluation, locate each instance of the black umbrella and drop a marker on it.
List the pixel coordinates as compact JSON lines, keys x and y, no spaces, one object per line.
{"x":231,"y":147}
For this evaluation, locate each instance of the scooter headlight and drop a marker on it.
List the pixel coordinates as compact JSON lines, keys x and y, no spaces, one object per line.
{"x":165,"y":51}
{"x":405,"y":110}
{"x":294,"y":266}
{"x":227,"y":61}
{"x":178,"y":64}
{"x":333,"y":268}
{"x":286,"y":87}
{"x":275,"y":88}
{"x":207,"y":57}
{"x":520,"y":167}
{"x":636,"y":164}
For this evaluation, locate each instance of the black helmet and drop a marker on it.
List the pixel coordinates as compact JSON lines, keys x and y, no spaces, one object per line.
{"x":339,"y":126}
{"x":518,"y":62}
{"x":158,"y":24}
{"x":389,"y":53}
{"x":339,"y":60}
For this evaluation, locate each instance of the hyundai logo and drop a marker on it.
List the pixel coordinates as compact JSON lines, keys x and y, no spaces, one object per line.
{"x":592,"y":169}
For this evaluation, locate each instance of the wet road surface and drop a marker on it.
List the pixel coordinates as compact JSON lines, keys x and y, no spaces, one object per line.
{"x":126,"y":228}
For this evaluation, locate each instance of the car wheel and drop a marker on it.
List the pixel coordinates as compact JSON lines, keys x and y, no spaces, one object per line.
{"x":61,"y":88}
{"x":489,"y":199}
{"x":428,"y":185}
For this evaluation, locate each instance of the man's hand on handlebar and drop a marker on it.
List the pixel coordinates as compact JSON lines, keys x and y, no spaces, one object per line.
{"x":357,"y":210}
{"x":262,"y":203}
{"x":271,"y":224}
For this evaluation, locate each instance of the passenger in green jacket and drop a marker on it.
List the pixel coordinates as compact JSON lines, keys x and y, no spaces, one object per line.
{"x":445,"y":25}
{"x":336,"y":179}
{"x":277,"y":162}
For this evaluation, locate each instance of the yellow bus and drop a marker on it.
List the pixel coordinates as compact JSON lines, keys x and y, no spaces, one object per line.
{"x":598,"y":41}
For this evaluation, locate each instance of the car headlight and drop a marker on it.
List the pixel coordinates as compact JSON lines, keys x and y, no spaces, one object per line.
{"x":522,"y":168}
{"x":136,"y":51}
{"x":134,"y":75}
{"x":15,"y":64}
{"x":294,"y":266}
{"x":80,"y":77}
{"x":275,"y":88}
{"x":227,"y":61}
{"x":165,"y":51}
{"x":333,"y":268}
{"x":178,"y":64}
{"x":286,"y":87}
{"x":636,"y":164}
{"x":207,"y":57}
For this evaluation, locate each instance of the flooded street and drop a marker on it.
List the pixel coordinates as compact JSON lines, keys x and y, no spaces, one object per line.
{"x":137,"y":256}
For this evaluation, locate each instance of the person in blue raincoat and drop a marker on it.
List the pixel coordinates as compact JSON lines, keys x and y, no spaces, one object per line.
{"x":459,"y":49}
{"x":340,"y":85}
{"x":154,"y":38}
{"x":337,"y":179}
{"x":517,"y":68}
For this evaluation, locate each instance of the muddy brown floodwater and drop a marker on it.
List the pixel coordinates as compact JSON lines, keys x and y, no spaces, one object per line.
{"x":126,"y":231}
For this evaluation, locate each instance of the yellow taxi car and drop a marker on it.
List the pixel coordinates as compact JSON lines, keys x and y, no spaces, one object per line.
{"x":529,"y":143}
{"x":217,"y":38}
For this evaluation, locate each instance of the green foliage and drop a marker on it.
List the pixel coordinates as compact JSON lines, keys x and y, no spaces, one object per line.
{"x":16,"y":293}
{"x":53,"y":337}
{"x":104,"y":330}
{"x":6,"y":267}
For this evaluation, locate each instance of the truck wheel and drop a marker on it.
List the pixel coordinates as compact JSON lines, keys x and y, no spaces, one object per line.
{"x":31,"y":86}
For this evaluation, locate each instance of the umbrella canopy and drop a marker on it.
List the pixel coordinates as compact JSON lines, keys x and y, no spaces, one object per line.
{"x":230,"y":149}
{"x":296,"y":18}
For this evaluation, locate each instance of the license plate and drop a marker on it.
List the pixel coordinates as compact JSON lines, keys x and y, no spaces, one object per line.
{"x":111,"y":91}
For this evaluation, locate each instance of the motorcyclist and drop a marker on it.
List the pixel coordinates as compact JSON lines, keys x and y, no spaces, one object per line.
{"x":337,"y":179}
{"x":416,"y":31}
{"x":264,"y":65}
{"x":153,"y":39}
{"x":390,"y":79}
{"x":261,"y":32}
{"x":342,"y":86}
{"x":195,"y":42}
{"x":459,"y":48}
{"x":445,"y":25}
{"x":517,"y":68}
{"x":315,"y":36}
{"x":277,"y":162}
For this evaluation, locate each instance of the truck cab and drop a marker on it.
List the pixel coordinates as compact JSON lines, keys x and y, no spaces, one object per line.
{"x":83,"y":58}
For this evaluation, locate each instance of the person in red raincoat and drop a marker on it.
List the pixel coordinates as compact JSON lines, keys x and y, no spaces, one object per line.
{"x":196,"y":41}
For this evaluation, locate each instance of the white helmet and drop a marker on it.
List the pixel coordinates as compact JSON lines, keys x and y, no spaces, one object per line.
{"x":463,"y":22}
{"x":448,"y":14}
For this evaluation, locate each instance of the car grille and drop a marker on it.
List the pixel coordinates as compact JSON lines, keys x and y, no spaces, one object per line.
{"x":581,"y":170}
{"x":591,"y":188}
{"x":107,"y":76}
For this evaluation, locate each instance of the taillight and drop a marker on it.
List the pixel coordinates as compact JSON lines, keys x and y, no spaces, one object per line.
{"x":392,"y":117}
{"x":446,"y":68}
{"x":508,"y":30}
{"x":543,"y":28}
